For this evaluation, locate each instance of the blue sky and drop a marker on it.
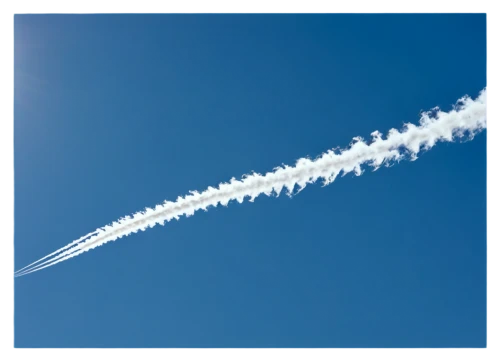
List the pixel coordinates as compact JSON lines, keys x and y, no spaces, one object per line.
{"x":114,"y":113}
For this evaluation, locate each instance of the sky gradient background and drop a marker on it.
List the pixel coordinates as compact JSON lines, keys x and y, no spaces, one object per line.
{"x":116,"y":113}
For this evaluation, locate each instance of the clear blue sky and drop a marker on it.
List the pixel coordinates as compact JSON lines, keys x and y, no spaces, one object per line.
{"x":116,"y":113}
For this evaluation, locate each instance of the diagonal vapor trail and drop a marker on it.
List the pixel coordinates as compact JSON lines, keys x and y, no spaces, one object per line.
{"x":57,"y":251}
{"x":468,"y":117}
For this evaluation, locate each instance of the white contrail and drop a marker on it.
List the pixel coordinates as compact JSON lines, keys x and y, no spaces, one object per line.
{"x":57,"y":251}
{"x":467,"y":117}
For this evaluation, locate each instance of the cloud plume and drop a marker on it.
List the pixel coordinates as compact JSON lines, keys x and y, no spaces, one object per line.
{"x":467,"y":118}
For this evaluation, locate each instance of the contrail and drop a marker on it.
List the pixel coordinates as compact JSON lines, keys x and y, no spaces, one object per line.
{"x":468,"y":117}
{"x":57,"y":251}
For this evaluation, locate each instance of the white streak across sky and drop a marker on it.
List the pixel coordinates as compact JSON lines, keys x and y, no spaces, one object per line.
{"x":467,"y":118}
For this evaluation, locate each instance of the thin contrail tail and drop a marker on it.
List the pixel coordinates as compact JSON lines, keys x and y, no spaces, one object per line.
{"x":468,"y":117}
{"x":57,"y":251}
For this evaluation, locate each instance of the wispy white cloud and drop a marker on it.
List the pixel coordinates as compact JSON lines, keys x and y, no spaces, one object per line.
{"x":467,"y":118}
